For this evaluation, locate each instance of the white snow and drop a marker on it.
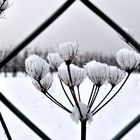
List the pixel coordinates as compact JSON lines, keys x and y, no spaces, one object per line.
{"x":56,"y":123}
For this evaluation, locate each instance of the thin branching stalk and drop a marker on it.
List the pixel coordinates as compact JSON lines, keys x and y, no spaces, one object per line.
{"x":93,"y":113}
{"x":78,"y":89}
{"x":66,"y":93}
{"x":91,"y":94}
{"x":48,"y":95}
{"x":73,"y":92}
{"x":103,"y":99}
{"x":57,"y":102}
{"x":94,"y":98}
{"x":5,"y":127}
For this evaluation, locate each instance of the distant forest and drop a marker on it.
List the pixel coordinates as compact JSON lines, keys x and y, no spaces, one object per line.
{"x":17,"y":63}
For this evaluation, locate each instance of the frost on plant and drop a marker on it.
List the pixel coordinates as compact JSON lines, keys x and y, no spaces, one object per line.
{"x":128,"y":59}
{"x":77,"y":74}
{"x":115,"y":75}
{"x":72,"y":76}
{"x":97,"y":72}
{"x":68,"y":50}
{"x":45,"y":83}
{"x":36,"y":67}
{"x":54,"y":60}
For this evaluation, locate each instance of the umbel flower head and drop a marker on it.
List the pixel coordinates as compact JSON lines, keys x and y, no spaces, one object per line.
{"x":68,"y":50}
{"x":54,"y":60}
{"x":115,"y":75}
{"x":45,"y":83}
{"x":36,"y":67}
{"x":128,"y":59}
{"x":75,"y":115}
{"x":97,"y":72}
{"x":77,"y":74}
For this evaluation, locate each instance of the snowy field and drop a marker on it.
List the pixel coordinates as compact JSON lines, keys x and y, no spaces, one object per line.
{"x":56,"y":123}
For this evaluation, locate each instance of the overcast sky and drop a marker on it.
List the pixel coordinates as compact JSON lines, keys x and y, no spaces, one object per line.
{"x":77,"y":23}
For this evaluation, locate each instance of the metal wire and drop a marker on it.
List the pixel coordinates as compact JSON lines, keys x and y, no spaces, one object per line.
{"x":15,"y":51}
{"x":113,"y":24}
{"x":125,"y":130}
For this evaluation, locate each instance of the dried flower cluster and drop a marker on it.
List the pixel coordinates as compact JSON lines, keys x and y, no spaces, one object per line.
{"x":72,"y":76}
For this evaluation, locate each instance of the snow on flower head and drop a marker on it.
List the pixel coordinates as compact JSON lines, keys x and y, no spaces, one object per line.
{"x":54,"y":60}
{"x":4,"y":4}
{"x":128,"y":59}
{"x":97,"y":72}
{"x":115,"y":75}
{"x":45,"y":82}
{"x":75,"y":115}
{"x":36,"y":67}
{"x":68,"y":50}
{"x":77,"y":74}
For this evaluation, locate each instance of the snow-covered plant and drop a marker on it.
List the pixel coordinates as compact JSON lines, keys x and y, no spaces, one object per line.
{"x":97,"y":72}
{"x":115,"y":75}
{"x":77,"y":75}
{"x":128,"y":59}
{"x":72,"y":76}
{"x":36,"y":67}
{"x":54,"y":60}
{"x":68,"y":50}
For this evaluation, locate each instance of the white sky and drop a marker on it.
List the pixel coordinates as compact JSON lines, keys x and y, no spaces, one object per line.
{"x":77,"y":23}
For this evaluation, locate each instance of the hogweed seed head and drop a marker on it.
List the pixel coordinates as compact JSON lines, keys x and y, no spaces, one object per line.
{"x":36,"y":67}
{"x":45,"y":83}
{"x":128,"y":59}
{"x":68,"y":50}
{"x":97,"y":72}
{"x":115,"y":75}
{"x":77,"y":74}
{"x":54,"y":60}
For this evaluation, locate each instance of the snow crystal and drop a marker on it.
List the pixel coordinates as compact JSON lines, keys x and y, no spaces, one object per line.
{"x":97,"y":72}
{"x":75,"y":115}
{"x":68,"y":50}
{"x":128,"y":59}
{"x":115,"y":75}
{"x":36,"y":67}
{"x":77,"y":74}
{"x":54,"y":60}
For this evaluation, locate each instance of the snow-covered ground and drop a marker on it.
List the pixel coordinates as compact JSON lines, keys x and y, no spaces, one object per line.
{"x":56,"y":123}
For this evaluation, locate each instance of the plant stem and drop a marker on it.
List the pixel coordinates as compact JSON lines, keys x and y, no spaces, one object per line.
{"x":93,"y":113}
{"x":78,"y":89}
{"x":83,"y":129}
{"x":103,"y":99}
{"x":5,"y":128}
{"x":91,"y":94}
{"x":73,"y":92}
{"x":66,"y":93}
